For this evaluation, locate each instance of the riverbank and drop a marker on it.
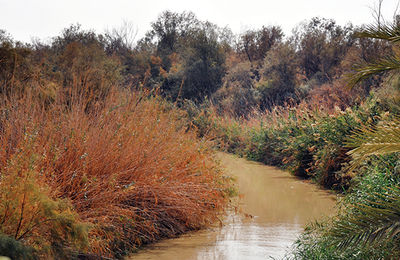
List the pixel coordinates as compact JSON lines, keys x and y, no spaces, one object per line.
{"x":277,"y":206}
{"x":315,"y":145}
{"x":309,"y":143}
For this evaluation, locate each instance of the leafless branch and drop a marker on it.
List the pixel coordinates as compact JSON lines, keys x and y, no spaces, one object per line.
{"x":127,"y":33}
{"x":377,"y":13}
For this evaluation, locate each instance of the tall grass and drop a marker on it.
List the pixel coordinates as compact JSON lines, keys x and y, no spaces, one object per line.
{"x":102,"y":181}
{"x":309,"y":142}
{"x":374,"y":191}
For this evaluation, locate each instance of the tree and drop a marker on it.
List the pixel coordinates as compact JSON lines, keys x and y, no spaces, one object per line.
{"x":81,"y":65}
{"x":203,"y":68}
{"x":14,"y":64}
{"x":321,"y":45}
{"x":279,"y":71}
{"x":386,"y":64}
{"x":121,"y":40}
{"x":255,"y":44}
{"x":238,"y":96}
{"x":188,"y":62}
{"x":170,"y":31}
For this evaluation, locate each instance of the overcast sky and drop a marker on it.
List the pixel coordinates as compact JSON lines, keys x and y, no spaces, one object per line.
{"x":25,"y":19}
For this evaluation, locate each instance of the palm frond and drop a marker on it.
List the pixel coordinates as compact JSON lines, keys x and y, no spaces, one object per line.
{"x":362,"y":72}
{"x":372,"y":223}
{"x":378,"y":219}
{"x":388,"y":32}
{"x":379,"y":140}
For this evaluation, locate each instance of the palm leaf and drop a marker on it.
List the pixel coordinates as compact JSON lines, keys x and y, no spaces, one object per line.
{"x":379,"y":140}
{"x":362,"y":72}
{"x":370,"y":224}
{"x":388,"y":32}
{"x":378,"y":219}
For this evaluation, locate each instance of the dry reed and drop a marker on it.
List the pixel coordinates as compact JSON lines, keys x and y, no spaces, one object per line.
{"x":127,"y":169}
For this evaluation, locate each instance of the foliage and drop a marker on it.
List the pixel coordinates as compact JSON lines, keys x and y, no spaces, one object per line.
{"x":15,"y":250}
{"x":191,"y":56}
{"x":29,"y":213}
{"x":313,"y":244}
{"x":182,"y":57}
{"x":369,"y":219}
{"x":14,"y":64}
{"x":278,"y":81}
{"x":375,"y":140}
{"x":255,"y":44}
{"x":322,"y":46}
{"x":345,"y":236}
{"x":204,"y":68}
{"x":308,"y":142}
{"x":388,"y":62}
{"x":238,"y":96}
{"x":65,"y":169}
{"x":86,"y":172}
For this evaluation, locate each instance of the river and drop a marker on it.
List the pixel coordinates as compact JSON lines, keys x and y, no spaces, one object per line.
{"x":274,"y":207}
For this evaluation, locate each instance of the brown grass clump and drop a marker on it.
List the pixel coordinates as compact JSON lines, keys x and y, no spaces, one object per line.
{"x":102,"y":181}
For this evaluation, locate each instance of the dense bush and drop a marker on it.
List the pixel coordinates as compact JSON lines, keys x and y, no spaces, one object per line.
{"x":278,"y":82}
{"x":183,"y":57}
{"x":255,"y":44}
{"x":308,"y":142}
{"x":102,"y":181}
{"x":374,"y":183}
{"x":15,"y":250}
{"x":191,"y":55}
{"x":85,"y":170}
{"x":238,"y":96}
{"x":367,"y":224}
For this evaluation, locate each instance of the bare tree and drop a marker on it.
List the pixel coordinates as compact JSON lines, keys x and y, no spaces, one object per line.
{"x":396,"y":17}
{"x":377,"y":13}
{"x":124,"y":35}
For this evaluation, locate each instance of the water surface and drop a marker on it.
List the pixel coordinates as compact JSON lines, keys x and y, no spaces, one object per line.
{"x":274,"y":206}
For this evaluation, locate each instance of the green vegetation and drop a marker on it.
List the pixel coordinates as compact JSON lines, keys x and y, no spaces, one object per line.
{"x":363,"y":211}
{"x":309,"y":143}
{"x":89,"y":167}
{"x":367,"y":227}
{"x":105,"y":142}
{"x":353,"y":150}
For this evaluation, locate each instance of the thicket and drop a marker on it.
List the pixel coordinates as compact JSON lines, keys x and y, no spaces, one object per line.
{"x":90,"y":166}
{"x":102,"y":182}
{"x":367,"y":225}
{"x":308,"y":142}
{"x":323,"y":240}
{"x":104,"y":140}
{"x":347,"y":140}
{"x":184,"y":58}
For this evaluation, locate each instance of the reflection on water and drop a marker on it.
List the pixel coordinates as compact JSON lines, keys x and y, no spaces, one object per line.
{"x":251,"y":241}
{"x":279,"y":205}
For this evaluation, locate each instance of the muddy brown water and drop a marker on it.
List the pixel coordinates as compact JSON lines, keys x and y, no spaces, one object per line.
{"x":274,"y":207}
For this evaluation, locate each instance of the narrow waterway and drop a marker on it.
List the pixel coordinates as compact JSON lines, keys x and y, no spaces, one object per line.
{"x":274,"y":208}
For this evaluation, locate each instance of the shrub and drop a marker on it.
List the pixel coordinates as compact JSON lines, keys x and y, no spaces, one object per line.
{"x":308,"y":142}
{"x":376,"y":180}
{"x":237,"y":97}
{"x":126,"y":168}
{"x":15,"y":250}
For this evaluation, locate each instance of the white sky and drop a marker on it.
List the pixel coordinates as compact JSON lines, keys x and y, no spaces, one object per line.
{"x":25,"y":19}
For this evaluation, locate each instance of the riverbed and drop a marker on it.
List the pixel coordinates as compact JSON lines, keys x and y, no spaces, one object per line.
{"x":273,"y":208}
